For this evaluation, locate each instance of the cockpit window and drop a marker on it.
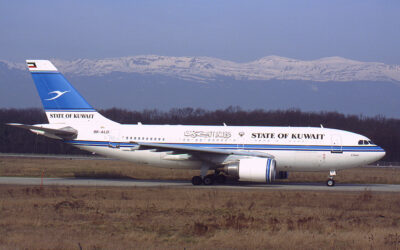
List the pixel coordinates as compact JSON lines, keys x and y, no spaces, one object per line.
{"x":364,"y":142}
{"x":370,"y":142}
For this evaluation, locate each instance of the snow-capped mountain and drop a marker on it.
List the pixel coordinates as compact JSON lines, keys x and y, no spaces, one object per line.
{"x":159,"y":82}
{"x":204,"y":69}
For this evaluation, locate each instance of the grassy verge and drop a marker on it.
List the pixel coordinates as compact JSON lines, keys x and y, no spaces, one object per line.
{"x":167,"y":218}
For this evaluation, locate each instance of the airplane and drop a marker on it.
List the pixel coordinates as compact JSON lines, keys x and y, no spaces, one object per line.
{"x":245,"y":153}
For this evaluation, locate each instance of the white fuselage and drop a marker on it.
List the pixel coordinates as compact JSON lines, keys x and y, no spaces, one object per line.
{"x":294,"y":148}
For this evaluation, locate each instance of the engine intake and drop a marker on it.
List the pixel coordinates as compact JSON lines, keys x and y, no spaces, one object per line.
{"x":253,"y":169}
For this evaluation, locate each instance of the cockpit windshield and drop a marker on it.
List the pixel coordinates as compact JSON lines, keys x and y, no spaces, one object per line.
{"x":365,"y":142}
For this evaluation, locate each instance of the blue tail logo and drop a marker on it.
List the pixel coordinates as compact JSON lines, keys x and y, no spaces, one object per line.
{"x":58,"y":94}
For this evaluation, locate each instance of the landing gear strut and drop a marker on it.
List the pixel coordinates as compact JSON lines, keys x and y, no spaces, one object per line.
{"x":331,"y":182}
{"x":220,"y":178}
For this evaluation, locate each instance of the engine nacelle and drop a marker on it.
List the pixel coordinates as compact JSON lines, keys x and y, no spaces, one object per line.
{"x":253,"y":169}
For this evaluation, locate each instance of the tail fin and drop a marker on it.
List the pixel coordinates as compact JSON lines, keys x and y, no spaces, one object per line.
{"x":61,"y":101}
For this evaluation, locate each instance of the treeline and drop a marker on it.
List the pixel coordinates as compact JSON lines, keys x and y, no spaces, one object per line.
{"x":383,"y":131}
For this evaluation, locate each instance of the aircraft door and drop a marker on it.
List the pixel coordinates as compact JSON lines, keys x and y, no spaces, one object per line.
{"x":336,"y":142}
{"x":113,"y":139}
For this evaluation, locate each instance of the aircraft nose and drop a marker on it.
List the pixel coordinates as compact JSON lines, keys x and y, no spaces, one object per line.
{"x":380,"y":154}
{"x":383,"y":153}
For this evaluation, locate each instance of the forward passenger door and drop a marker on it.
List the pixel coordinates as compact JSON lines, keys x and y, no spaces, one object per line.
{"x":336,"y":142}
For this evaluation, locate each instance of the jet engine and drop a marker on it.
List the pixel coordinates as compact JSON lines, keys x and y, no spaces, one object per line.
{"x":253,"y":169}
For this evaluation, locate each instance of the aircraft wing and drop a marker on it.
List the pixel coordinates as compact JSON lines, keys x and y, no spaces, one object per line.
{"x":62,"y":133}
{"x":194,"y":150}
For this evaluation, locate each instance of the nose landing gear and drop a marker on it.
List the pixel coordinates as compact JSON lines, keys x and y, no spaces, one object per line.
{"x":331,"y":182}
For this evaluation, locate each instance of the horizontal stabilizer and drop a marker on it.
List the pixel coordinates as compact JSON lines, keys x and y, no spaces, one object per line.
{"x":61,"y":133}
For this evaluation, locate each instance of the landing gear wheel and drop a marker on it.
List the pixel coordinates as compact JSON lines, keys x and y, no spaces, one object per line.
{"x":220,"y":179}
{"x":330,"y":182}
{"x":208,"y":180}
{"x":196,"y":180}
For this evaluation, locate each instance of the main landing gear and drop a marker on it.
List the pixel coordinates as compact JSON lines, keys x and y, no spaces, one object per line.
{"x":331,"y":182}
{"x":210,"y":179}
{"x":197,"y":180}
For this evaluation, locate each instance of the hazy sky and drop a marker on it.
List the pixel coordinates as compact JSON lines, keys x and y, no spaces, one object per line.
{"x":236,"y":30}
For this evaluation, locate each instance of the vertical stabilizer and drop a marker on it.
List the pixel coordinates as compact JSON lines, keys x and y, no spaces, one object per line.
{"x":61,"y":101}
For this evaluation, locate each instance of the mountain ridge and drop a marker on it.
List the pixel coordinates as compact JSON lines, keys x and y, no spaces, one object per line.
{"x":208,"y":69}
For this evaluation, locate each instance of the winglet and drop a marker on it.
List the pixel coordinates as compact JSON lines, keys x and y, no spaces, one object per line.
{"x":40,"y":65}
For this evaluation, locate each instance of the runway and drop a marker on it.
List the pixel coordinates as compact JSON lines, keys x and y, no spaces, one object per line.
{"x":187,"y":184}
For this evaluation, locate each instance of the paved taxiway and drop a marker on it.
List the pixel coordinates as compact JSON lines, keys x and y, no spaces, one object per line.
{"x":186,"y":184}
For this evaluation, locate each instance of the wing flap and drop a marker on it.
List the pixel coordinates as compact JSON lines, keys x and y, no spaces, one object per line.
{"x":194,"y":150}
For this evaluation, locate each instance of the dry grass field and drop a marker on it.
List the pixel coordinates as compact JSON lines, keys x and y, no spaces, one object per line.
{"x":167,"y":218}
{"x":57,"y":217}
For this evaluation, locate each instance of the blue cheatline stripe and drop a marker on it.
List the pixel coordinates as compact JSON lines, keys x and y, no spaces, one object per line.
{"x":70,"y":110}
{"x":268,"y":169}
{"x":245,"y":147}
